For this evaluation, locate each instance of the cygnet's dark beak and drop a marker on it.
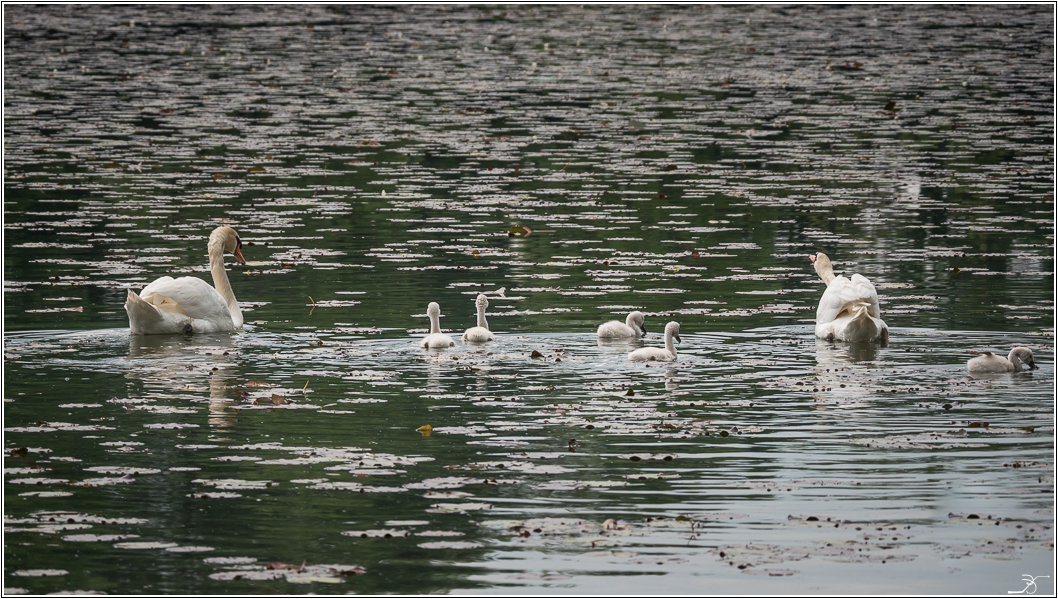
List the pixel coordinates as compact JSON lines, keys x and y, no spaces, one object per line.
{"x":1033,"y":366}
{"x":677,"y":337}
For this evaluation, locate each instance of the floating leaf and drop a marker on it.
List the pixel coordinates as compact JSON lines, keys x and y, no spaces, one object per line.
{"x":451,"y":545}
{"x":40,"y":572}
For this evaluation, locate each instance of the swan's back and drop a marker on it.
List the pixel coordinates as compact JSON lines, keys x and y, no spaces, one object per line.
{"x":989,"y":362}
{"x":616,"y":329}
{"x":437,"y":341}
{"x":478,"y":335}
{"x":846,"y":295}
{"x":648,"y":354}
{"x":195,"y":297}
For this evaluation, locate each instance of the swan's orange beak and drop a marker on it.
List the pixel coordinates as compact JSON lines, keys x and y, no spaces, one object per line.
{"x":812,"y":258}
{"x":238,"y":255}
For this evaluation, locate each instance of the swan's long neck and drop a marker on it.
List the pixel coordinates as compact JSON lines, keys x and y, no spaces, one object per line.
{"x":1015,"y":359}
{"x":481,"y":317}
{"x":827,"y":274}
{"x":668,"y":343}
{"x":220,"y":280}
{"x":435,"y":323}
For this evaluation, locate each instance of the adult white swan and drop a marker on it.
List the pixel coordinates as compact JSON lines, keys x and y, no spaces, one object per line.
{"x":989,"y":362}
{"x":666,"y":354}
{"x":436,"y":339}
{"x":188,"y":304}
{"x":632,"y":326}
{"x":848,"y":310}
{"x":480,"y":333}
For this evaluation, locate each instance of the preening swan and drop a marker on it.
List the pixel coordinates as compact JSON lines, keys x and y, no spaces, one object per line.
{"x":668,"y":354}
{"x":989,"y":362}
{"x":436,"y":339}
{"x":848,"y":310}
{"x":480,"y":333}
{"x":631,"y":327}
{"x":188,"y":304}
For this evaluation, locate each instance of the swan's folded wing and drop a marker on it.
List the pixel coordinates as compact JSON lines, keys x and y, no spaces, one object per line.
{"x":868,"y":292}
{"x":195,"y":297}
{"x":843,"y":294}
{"x":159,"y":285}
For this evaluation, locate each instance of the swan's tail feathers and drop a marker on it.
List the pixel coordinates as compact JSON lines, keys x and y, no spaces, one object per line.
{"x":143,"y":316}
{"x":864,"y":327}
{"x":155,"y":314}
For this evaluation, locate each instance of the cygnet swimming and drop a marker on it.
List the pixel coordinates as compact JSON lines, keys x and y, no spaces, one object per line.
{"x":632,"y":326}
{"x":668,"y":354}
{"x":480,"y":333}
{"x":436,"y":339}
{"x":989,"y":362}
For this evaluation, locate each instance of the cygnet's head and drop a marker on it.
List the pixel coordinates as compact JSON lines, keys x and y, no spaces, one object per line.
{"x":482,"y":302}
{"x":433,"y":310}
{"x":822,"y":263}
{"x":1025,"y":355}
{"x":636,"y":320}
{"x":673,"y":328}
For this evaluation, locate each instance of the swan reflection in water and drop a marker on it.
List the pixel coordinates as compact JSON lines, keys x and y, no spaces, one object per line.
{"x":672,"y":383}
{"x":836,"y":355}
{"x":169,"y":365}
{"x":624,"y":342}
{"x":852,"y":358}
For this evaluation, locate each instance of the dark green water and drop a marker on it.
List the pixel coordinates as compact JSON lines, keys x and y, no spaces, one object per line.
{"x":680,"y":160}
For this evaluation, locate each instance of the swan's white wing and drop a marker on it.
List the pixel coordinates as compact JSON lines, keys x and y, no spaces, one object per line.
{"x":197,"y":298}
{"x":478,"y":335}
{"x":867,"y":291}
{"x":647,"y":354}
{"x":843,"y":294}
{"x":157,"y":286}
{"x":615,"y":329}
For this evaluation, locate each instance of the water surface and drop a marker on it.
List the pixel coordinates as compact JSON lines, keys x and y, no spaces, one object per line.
{"x":573,"y":164}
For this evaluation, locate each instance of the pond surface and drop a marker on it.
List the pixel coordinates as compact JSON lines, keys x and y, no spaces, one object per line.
{"x":572,"y":164}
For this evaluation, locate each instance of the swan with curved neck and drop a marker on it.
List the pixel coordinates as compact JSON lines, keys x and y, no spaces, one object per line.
{"x":480,"y":333}
{"x":666,"y":354}
{"x":632,"y":327}
{"x":1014,"y":362}
{"x":848,"y":310}
{"x":189,"y":304}
{"x":436,"y":339}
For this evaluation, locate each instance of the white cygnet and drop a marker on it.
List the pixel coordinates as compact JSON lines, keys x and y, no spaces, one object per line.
{"x":436,"y":339}
{"x":989,"y":362}
{"x":480,"y":333}
{"x":668,"y":354}
{"x":632,"y":326}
